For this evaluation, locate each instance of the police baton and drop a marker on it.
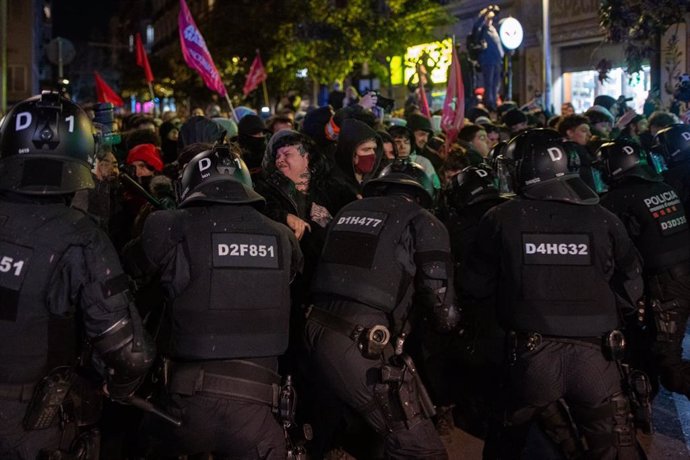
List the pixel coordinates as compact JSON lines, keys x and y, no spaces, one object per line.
{"x":141,"y":190}
{"x":147,"y":406}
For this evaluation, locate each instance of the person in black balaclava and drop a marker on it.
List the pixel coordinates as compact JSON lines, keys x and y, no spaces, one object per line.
{"x":169,"y":133}
{"x":252,"y":139}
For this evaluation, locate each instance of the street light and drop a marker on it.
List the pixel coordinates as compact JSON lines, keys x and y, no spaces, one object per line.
{"x":511,"y":34}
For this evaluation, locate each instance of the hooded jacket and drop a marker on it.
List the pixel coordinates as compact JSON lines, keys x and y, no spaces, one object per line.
{"x":352,"y":133}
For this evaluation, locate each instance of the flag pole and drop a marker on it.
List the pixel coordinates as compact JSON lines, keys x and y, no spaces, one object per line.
{"x":263,"y":83}
{"x":232,"y":108}
{"x":153,"y":99}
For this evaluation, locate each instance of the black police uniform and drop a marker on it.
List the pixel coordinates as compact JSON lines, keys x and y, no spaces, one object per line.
{"x":379,"y":251}
{"x":552,"y":255}
{"x":470,"y":373}
{"x":656,"y":221}
{"x":551,"y":264}
{"x":226,"y":270}
{"x":60,"y":280}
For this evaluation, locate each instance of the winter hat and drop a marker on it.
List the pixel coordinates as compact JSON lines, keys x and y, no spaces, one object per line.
{"x":242,"y":111}
{"x":514,"y":117}
{"x":394,"y":121}
{"x":417,"y":122}
{"x":251,"y":124}
{"x":314,"y":122}
{"x":228,"y":125}
{"x":604,"y":101}
{"x":483,"y":121}
{"x":599,"y":114}
{"x":476,"y":112}
{"x":148,"y":153}
{"x":199,"y":129}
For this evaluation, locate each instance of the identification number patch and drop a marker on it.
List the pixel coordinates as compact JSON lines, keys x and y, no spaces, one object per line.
{"x":243,"y":250}
{"x":556,"y":249}
{"x":369,"y":222}
{"x":14,"y":262}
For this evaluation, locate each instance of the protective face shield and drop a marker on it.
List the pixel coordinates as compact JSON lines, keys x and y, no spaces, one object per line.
{"x":542,"y":167}
{"x":623,"y":158}
{"x":674,"y":143}
{"x":403,"y":172}
{"x":470,"y":186}
{"x":46,"y":147}
{"x":217,"y":176}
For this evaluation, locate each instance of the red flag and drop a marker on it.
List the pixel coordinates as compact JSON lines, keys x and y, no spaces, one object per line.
{"x":453,"y":115}
{"x":105,"y":93}
{"x":423,"y":103}
{"x":142,"y":58}
{"x":195,"y":53}
{"x":256,"y":75}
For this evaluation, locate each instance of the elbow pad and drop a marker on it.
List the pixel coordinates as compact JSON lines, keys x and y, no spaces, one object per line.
{"x":128,"y":355}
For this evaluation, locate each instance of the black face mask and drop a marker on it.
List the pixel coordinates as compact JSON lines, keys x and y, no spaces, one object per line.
{"x":255,"y":148}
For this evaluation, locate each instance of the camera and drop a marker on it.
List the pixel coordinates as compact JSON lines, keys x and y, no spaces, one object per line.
{"x":385,"y":103}
{"x":622,"y":103}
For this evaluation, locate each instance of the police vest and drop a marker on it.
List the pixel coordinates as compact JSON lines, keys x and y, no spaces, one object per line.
{"x":656,"y":220}
{"x":232,"y":270}
{"x":36,"y":314}
{"x":359,"y":261}
{"x":560,"y":261}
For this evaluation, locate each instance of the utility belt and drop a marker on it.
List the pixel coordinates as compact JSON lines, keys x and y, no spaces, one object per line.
{"x":372,"y":341}
{"x":231,"y":379}
{"x":519,"y":341}
{"x":635,"y":383}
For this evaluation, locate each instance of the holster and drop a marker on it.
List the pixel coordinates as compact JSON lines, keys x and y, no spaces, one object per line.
{"x":665,"y":318}
{"x":402,"y":395}
{"x":235,"y":379}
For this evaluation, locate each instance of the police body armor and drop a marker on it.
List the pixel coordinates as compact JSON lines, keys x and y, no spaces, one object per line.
{"x":36,"y":314}
{"x":660,"y":228}
{"x":230,"y":277}
{"x":677,"y":178}
{"x":564,"y":269}
{"x":359,"y":259}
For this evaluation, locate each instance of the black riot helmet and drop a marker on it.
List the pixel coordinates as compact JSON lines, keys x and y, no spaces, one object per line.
{"x":674,"y":144}
{"x":624,"y":158}
{"x":217,"y":176}
{"x":543,"y":167}
{"x":470,"y":186}
{"x":47,"y":147}
{"x":405,"y":173}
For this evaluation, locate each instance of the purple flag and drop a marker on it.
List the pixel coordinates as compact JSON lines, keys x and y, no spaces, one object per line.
{"x":195,"y":52}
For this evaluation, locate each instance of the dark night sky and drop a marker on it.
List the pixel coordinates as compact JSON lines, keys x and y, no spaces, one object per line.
{"x":81,"y":20}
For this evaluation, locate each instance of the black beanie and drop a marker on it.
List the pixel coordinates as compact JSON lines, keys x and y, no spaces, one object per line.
{"x":250,"y":125}
{"x":514,"y":117}
{"x":417,"y":122}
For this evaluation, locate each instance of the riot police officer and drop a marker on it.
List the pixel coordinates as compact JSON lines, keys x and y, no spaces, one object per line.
{"x":674,"y":145}
{"x":383,"y":255}
{"x":226,"y":270}
{"x":478,"y":353}
{"x":56,"y":265}
{"x":656,"y":222}
{"x":552,"y":255}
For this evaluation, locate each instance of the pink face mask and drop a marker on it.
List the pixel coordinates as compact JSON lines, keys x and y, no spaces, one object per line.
{"x":365,"y":164}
